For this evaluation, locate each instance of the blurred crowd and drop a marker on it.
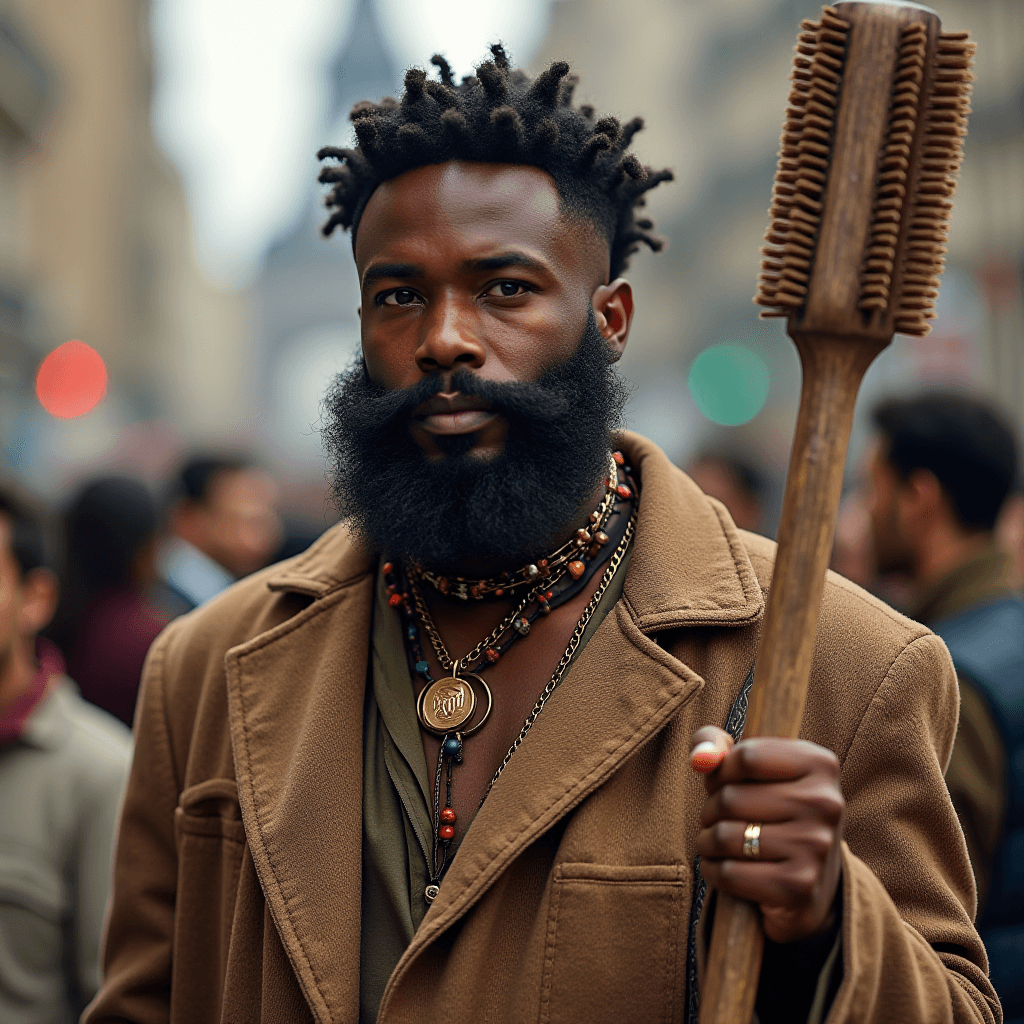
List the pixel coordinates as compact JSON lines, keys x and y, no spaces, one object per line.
{"x":83,"y":593}
{"x":933,"y":522}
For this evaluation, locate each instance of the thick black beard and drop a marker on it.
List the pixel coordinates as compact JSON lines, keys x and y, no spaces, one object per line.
{"x":462,"y":508}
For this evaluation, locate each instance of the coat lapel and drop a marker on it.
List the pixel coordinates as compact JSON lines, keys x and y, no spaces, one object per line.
{"x":688,"y":568}
{"x":296,"y":693}
{"x":295,"y":698}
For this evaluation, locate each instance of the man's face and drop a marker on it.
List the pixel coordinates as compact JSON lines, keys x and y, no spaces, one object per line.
{"x":472,"y":267}
{"x":27,"y":603}
{"x":892,"y":548}
{"x":479,"y":421}
{"x":238,"y":525}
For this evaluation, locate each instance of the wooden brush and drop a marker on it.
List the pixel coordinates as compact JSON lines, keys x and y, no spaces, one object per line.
{"x":870,"y":150}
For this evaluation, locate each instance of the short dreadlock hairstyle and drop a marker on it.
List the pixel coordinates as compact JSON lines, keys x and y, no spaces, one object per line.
{"x":500,"y":115}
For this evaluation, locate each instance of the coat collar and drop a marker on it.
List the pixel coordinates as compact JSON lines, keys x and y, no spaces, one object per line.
{"x":295,"y":703}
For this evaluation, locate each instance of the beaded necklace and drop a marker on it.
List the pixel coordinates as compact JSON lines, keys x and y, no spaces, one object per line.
{"x":446,"y":705}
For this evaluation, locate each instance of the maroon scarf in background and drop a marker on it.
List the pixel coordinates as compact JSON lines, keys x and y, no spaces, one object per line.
{"x":13,"y":719}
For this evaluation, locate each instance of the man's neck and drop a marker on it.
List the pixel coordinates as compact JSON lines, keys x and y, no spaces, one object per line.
{"x":480,"y":569}
{"x":17,"y":671}
{"x":945,"y":551}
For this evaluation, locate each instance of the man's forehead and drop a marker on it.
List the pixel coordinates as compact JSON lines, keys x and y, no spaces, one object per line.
{"x":473,"y":206}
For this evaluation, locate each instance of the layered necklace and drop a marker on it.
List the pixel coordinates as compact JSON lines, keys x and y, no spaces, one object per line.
{"x":455,"y":706}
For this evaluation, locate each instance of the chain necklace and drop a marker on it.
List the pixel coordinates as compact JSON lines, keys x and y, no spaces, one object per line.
{"x":561,"y":559}
{"x":446,"y":705}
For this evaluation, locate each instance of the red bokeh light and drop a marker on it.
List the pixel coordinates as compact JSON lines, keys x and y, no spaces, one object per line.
{"x":71,"y":380}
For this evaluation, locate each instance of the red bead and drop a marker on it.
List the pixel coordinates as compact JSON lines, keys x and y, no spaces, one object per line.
{"x":387,"y":568}
{"x":542,"y":598}
{"x":623,"y":491}
{"x":395,"y":600}
{"x":491,"y":655}
{"x":446,"y":832}
{"x":474,"y":590}
{"x":499,"y":592}
{"x":550,"y":594}
{"x":619,"y":458}
{"x":442,"y":585}
{"x":542,"y":563}
{"x":448,"y":816}
{"x":576,"y":569}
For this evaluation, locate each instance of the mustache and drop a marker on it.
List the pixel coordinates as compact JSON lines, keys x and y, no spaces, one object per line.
{"x":541,"y":401}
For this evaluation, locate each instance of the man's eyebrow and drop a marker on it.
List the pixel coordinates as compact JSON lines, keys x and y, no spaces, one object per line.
{"x":507,"y":259}
{"x":403,"y":271}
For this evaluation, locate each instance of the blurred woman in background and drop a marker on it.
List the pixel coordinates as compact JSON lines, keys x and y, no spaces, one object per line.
{"x":114,"y":604}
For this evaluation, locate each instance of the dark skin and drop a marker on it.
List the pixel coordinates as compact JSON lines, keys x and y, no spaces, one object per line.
{"x":475,"y":266}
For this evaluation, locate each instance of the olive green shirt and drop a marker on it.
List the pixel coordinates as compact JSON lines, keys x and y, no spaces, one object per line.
{"x":397,"y":801}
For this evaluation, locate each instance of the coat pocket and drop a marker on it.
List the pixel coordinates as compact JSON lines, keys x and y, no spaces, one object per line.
{"x":211,"y":845}
{"x":616,"y":944}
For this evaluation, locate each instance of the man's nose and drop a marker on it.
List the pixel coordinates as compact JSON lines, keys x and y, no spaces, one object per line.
{"x":450,"y":339}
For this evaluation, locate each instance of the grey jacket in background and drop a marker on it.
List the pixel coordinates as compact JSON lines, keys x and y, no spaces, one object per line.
{"x":60,"y":794}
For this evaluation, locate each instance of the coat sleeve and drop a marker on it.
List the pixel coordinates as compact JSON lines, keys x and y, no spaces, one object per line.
{"x":137,"y":949}
{"x":910,"y":950}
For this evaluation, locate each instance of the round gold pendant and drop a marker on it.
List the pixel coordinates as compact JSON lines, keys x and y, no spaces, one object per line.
{"x":449,"y":703}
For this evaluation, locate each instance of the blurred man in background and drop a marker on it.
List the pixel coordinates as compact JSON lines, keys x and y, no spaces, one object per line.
{"x":224,"y":524}
{"x":939,"y":477}
{"x":113,"y":603}
{"x":736,"y":483}
{"x":63,"y":764}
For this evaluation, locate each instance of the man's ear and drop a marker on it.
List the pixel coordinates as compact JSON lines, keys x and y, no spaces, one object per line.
{"x":613,"y":306}
{"x":923,"y":497}
{"x":39,"y":601}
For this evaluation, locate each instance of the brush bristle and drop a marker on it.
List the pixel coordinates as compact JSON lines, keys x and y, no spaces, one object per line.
{"x":803,"y":165}
{"x":921,"y":154}
{"x":891,"y":190}
{"x":942,"y":147}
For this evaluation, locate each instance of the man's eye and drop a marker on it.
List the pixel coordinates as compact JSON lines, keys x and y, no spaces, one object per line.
{"x":507,"y":289}
{"x":399,"y":297}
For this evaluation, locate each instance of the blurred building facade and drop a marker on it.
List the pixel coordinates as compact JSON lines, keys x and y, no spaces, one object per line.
{"x":711,"y":81}
{"x":104,"y":251}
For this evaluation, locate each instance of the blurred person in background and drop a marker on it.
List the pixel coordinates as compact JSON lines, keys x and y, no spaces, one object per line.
{"x":1010,"y":527}
{"x":940,"y":474}
{"x":736,"y":482}
{"x":114,"y":603}
{"x":224,"y":525}
{"x":63,"y":763}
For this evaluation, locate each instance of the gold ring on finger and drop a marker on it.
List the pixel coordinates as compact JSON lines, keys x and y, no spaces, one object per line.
{"x":752,"y":841}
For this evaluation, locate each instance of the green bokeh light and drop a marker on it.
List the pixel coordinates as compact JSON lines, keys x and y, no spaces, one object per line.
{"x":729,"y":383}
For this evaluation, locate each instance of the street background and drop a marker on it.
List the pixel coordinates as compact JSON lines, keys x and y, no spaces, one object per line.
{"x":158,"y":203}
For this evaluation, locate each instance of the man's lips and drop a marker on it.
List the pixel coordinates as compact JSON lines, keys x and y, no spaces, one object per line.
{"x":453,"y":414}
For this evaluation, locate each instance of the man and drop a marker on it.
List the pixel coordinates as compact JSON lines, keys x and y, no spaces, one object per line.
{"x":224,"y":525}
{"x":63,"y":764}
{"x":940,"y":473}
{"x":452,"y":781}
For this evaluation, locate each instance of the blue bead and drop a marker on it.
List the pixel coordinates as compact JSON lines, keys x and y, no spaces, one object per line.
{"x":451,"y":746}
{"x":411,"y":632}
{"x":422,"y":667}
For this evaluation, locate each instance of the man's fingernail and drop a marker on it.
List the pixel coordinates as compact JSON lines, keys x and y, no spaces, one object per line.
{"x":706,"y":756}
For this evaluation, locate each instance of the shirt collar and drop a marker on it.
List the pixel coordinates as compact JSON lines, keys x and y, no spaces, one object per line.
{"x":192,"y":572}
{"x":986,"y":576}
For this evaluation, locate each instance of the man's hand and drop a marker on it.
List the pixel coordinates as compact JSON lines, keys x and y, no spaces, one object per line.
{"x":791,"y":789}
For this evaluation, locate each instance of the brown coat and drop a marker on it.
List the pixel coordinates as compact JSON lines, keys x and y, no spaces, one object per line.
{"x":238,"y":867}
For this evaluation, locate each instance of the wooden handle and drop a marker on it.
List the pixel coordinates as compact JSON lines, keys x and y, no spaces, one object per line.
{"x":832,"y":371}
